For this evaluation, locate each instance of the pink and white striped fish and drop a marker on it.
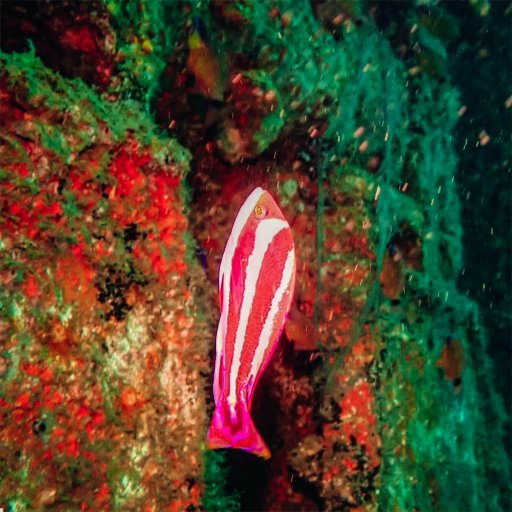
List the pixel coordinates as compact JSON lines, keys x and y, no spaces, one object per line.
{"x":256,"y":283}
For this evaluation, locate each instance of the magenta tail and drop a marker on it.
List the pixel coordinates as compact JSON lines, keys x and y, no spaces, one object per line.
{"x":232,"y":427}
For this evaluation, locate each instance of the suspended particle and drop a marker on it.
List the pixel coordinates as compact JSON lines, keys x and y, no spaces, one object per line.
{"x":286,"y":19}
{"x":270,"y":96}
{"x":313,"y":132}
{"x":484,"y":138}
{"x":338,"y":20}
{"x":237,"y":79}
{"x":359,"y":132}
{"x":374,"y":163}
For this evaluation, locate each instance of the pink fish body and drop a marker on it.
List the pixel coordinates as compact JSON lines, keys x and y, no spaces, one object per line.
{"x":256,"y":283}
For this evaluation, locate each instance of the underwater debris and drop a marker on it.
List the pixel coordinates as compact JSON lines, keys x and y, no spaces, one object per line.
{"x":392,"y":277}
{"x":452,"y":361}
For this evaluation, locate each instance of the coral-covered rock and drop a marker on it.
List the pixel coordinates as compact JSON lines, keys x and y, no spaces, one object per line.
{"x":103,"y":387}
{"x":73,"y":38}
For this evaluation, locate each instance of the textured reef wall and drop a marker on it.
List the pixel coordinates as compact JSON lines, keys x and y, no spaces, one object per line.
{"x":131,"y":132}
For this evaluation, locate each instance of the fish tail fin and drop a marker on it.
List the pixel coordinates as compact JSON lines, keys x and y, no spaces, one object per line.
{"x":232,"y":427}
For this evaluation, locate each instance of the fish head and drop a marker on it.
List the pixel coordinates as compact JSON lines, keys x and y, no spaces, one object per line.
{"x":258,"y":208}
{"x":259,"y":211}
{"x":197,"y":34}
{"x":263,"y":207}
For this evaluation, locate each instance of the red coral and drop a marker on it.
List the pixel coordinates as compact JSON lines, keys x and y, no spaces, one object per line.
{"x":80,"y":38}
{"x":358,"y":419}
{"x":126,"y":170}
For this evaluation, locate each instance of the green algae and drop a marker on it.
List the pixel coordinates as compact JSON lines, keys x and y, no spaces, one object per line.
{"x":53,"y":137}
{"x":146,"y":37}
{"x":288,"y":190}
{"x":215,"y":498}
{"x":74,"y":97}
{"x":410,"y":121}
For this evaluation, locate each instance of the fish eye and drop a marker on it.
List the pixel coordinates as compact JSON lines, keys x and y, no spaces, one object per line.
{"x":260,"y":211}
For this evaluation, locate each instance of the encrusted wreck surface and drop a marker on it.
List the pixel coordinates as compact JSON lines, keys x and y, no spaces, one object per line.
{"x":380,"y":395}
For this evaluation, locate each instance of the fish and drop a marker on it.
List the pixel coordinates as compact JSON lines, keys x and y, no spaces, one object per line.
{"x":452,"y":361}
{"x":203,"y":63}
{"x":256,"y":285}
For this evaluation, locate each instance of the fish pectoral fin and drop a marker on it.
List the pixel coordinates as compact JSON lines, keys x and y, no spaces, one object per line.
{"x":301,"y":330}
{"x":236,"y":284}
